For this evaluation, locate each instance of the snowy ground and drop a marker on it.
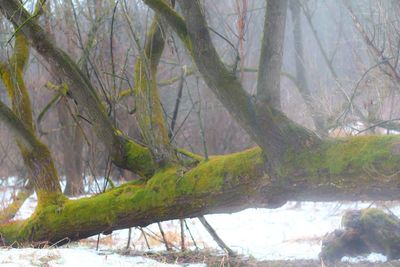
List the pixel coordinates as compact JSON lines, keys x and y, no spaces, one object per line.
{"x":291,"y":232}
{"x":71,"y":257}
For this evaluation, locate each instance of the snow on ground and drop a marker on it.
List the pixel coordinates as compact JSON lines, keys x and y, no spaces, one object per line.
{"x":71,"y":257}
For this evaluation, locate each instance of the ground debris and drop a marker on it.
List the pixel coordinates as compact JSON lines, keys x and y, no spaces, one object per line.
{"x":363,"y":232}
{"x":216,"y":258}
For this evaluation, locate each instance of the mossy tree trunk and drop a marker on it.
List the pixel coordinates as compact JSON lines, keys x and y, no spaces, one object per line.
{"x":291,"y":163}
{"x":149,"y":112}
{"x":35,"y":154}
{"x":37,"y":157}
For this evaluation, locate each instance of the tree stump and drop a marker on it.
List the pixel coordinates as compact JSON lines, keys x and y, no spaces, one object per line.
{"x":363,"y":231}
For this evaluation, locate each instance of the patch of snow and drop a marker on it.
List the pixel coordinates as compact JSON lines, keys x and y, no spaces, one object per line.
{"x":71,"y":257}
{"x":373,"y":257}
{"x":27,"y":208}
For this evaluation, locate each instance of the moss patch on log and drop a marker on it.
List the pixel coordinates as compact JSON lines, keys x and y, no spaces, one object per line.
{"x":139,"y":158}
{"x":353,"y":155}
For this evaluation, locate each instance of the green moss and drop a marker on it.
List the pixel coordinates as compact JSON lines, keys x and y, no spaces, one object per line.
{"x":222,"y":171}
{"x":359,"y":152}
{"x":373,"y":216}
{"x":350,"y":155}
{"x":11,"y":231}
{"x":150,"y":116}
{"x":191,"y":155}
{"x":139,"y":158}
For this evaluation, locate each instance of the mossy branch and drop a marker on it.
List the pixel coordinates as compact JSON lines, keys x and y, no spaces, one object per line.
{"x":150,"y":116}
{"x":173,"y":19}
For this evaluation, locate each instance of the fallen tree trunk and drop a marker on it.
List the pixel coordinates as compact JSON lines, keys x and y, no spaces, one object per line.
{"x":359,"y":168}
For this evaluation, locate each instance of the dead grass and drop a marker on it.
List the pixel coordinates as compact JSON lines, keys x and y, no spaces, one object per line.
{"x":214,"y":258}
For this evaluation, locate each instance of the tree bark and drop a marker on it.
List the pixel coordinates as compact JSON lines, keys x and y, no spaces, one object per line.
{"x":36,"y":155}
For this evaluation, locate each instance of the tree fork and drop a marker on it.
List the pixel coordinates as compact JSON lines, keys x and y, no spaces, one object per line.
{"x":269,"y":128}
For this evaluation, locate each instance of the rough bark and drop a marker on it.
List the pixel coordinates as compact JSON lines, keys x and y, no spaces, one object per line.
{"x":36,"y":157}
{"x":35,"y":154}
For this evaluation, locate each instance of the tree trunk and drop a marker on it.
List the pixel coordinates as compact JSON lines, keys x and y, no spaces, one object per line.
{"x":72,"y":146}
{"x":318,"y":119}
{"x":269,"y":70}
{"x":268,"y":127}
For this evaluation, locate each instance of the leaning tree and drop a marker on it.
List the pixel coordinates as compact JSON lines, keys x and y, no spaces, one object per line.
{"x":290,"y":162}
